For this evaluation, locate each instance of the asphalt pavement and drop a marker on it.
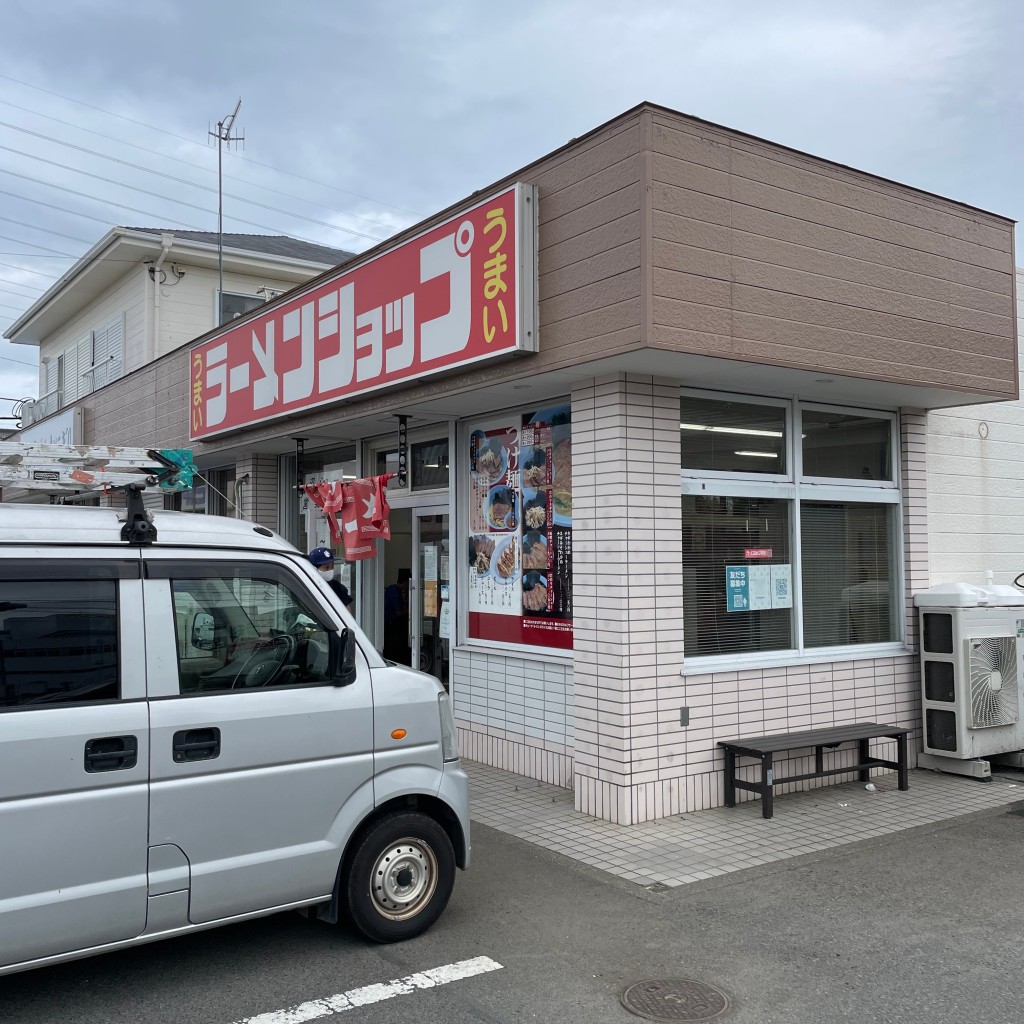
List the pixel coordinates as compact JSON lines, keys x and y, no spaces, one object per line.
{"x":920,"y":926}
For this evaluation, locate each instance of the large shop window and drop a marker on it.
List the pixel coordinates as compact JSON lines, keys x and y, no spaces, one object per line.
{"x":519,"y":535}
{"x":790,"y":527}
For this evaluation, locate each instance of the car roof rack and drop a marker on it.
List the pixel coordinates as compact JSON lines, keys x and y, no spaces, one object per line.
{"x":104,"y":468}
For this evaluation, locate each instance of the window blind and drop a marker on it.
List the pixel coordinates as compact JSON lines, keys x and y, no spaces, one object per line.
{"x":848,"y":551}
{"x":719,"y":532}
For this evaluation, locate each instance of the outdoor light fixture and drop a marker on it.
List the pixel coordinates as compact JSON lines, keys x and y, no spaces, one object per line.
{"x":759,"y":455}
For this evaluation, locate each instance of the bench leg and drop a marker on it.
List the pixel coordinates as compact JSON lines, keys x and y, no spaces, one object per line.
{"x":863,"y":753}
{"x":730,"y":778}
{"x":767,"y":781}
{"x":901,"y":760}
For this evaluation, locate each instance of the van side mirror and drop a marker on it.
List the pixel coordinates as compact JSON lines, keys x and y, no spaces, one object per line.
{"x":202,"y":632}
{"x":343,"y":658}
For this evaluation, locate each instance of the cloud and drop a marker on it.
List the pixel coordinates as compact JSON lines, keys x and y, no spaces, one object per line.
{"x":361,"y":119}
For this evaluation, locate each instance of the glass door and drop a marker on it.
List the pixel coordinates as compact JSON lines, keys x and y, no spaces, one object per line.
{"x":430,"y":594}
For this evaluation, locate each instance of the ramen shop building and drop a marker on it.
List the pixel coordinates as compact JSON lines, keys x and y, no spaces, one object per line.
{"x":660,"y":401}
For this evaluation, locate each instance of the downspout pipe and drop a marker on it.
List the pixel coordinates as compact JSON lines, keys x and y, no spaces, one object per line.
{"x":166,"y":241}
{"x":239,"y":483}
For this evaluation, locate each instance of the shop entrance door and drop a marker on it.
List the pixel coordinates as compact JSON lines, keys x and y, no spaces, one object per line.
{"x":430,"y":596}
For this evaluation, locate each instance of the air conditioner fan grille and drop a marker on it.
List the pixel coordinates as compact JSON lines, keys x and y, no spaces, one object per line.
{"x":994,"y":682}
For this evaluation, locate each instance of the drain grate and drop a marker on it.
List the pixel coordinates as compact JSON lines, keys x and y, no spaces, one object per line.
{"x":675,"y":999}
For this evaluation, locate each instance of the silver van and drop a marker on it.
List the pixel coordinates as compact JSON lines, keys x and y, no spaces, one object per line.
{"x":193,"y":731}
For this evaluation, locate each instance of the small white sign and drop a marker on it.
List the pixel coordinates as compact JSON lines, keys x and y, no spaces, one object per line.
{"x":760,"y":587}
{"x":430,"y":563}
{"x":444,"y":630}
{"x":782,"y":585}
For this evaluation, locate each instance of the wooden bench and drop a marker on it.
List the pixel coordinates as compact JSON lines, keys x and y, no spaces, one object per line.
{"x":764,"y":747}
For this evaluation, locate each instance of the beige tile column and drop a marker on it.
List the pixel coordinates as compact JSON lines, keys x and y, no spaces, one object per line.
{"x":914,"y":473}
{"x":627,"y":594}
{"x":259,"y":496}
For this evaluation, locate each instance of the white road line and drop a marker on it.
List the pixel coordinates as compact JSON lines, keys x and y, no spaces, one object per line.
{"x":368,"y":994}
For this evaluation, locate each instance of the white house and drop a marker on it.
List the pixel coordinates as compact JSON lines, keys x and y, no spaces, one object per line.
{"x":140,"y":293}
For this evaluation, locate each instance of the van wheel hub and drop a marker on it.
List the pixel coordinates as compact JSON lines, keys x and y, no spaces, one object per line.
{"x":404,"y":879}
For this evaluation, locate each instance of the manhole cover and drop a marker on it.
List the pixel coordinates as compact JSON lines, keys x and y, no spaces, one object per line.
{"x":674,"y":999}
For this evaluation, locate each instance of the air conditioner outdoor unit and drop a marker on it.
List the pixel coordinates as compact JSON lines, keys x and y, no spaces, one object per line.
{"x":972,"y":673}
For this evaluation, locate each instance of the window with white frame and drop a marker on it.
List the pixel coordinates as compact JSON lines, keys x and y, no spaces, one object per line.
{"x":791,"y":526}
{"x":236,"y":304}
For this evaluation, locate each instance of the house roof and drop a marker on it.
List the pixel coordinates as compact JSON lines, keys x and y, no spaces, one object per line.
{"x":272,"y":245}
{"x":287,"y":259}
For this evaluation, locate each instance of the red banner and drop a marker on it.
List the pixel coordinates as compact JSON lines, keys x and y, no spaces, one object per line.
{"x":459,"y":293}
{"x":363,"y":509}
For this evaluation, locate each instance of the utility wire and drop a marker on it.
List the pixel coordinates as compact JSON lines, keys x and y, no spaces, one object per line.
{"x":84,"y":195}
{"x":48,"y":231}
{"x":17,"y":295}
{"x":174,"y":159}
{"x":11,"y":359}
{"x":147,"y":192}
{"x":192,"y":142}
{"x":55,"y":252}
{"x":178,"y":180}
{"x":25,"y":270}
{"x":65,"y":209}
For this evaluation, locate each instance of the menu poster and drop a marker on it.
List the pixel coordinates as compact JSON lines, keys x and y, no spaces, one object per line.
{"x":520,"y":549}
{"x":545,"y":457}
{"x":495,"y":574}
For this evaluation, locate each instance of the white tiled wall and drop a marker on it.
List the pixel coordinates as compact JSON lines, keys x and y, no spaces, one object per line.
{"x":515,"y":713}
{"x":627,"y":589}
{"x":610,"y":725}
{"x":728,"y":705}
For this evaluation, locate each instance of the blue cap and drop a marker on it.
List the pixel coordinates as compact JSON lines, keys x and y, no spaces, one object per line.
{"x":321,"y":556}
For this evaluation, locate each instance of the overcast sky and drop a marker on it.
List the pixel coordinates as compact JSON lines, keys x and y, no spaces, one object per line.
{"x":362,"y":118}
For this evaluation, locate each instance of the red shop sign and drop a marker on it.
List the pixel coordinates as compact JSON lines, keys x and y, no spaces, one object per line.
{"x":461,"y":292}
{"x":750,"y":553}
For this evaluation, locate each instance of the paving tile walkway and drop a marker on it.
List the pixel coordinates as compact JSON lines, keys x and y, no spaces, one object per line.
{"x":689,"y":847}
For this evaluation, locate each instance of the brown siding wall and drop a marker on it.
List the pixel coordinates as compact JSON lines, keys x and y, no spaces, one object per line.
{"x":762,"y":254}
{"x":145,"y":408}
{"x":589,"y":205}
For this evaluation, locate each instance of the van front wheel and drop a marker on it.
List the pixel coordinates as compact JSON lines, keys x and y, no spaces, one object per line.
{"x":399,"y":878}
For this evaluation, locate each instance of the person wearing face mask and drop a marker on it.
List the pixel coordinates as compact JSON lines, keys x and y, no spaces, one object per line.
{"x":323,"y":559}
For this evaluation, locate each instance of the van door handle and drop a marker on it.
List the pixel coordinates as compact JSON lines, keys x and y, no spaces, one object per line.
{"x":196,"y":744}
{"x":111,"y":753}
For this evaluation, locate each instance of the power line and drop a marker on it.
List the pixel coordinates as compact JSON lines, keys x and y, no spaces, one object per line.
{"x":55,"y":252}
{"x":25,"y":270}
{"x":174,"y":159}
{"x":192,"y":142}
{"x":11,"y":359}
{"x":144,"y":191}
{"x":48,"y":231}
{"x":84,"y":195}
{"x":65,"y":209}
{"x":179,"y":180}
{"x":17,"y":295}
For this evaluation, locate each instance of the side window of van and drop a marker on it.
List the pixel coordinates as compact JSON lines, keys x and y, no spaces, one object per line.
{"x":58,"y":642}
{"x":238,"y":633}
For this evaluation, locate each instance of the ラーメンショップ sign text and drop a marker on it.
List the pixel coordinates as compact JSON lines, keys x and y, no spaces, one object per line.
{"x":459,"y":293}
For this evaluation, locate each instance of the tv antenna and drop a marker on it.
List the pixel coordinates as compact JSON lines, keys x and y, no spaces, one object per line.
{"x":223,"y":135}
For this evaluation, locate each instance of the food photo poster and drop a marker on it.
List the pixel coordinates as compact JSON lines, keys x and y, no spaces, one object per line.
{"x":520,"y":529}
